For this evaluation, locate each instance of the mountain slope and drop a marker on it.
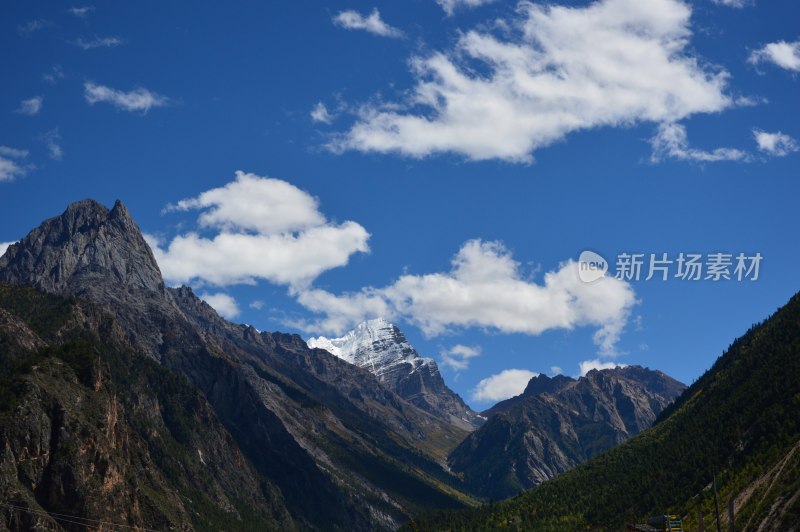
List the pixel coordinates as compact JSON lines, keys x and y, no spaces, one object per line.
{"x":90,"y":429}
{"x":740,"y":422}
{"x":557,"y":423}
{"x":339,"y":448}
{"x":382,"y":349}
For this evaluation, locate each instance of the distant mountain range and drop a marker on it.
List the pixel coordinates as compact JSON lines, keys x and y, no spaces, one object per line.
{"x":126,"y":403}
{"x":557,"y":423}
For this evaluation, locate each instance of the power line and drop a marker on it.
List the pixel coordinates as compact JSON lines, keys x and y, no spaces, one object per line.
{"x":72,"y":519}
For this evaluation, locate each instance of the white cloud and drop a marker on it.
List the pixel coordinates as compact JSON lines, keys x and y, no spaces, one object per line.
{"x":224,"y":304}
{"x":372,"y":23}
{"x":52,"y":140}
{"x":10,"y":168}
{"x":503,"y":385}
{"x":99,"y":42}
{"x":257,"y":304}
{"x":450,"y":6}
{"x":13,"y":152}
{"x":613,"y":63}
{"x":775,"y":144}
{"x":320,"y":114}
{"x":32,"y":26}
{"x":253,"y":203}
{"x":556,"y":370}
{"x":485,"y":288}
{"x":4,"y":246}
{"x":342,"y":312}
{"x":734,"y":3}
{"x":136,"y":100}
{"x":459,"y":356}
{"x":264,"y":229}
{"x":30,"y":106}
{"x":231,"y":258}
{"x":671,"y":142}
{"x":588,"y":365}
{"x":54,"y":74}
{"x":784,"y":54}
{"x":81,"y":12}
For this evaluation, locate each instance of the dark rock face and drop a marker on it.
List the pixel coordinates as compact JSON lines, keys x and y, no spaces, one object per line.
{"x":558,"y":423}
{"x":424,"y":387}
{"x":324,"y":443}
{"x":381,"y":348}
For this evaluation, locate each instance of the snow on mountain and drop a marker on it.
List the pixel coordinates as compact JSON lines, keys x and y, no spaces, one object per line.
{"x":376,"y":345}
{"x":382,"y":348}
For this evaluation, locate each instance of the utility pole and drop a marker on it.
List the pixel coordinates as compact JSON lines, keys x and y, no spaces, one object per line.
{"x":716,"y":500}
{"x":730,"y":515}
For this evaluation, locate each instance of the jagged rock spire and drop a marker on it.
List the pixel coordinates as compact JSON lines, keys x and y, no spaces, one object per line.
{"x":84,"y":250}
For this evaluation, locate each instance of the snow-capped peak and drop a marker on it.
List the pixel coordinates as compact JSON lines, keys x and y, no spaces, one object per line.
{"x":376,"y":345}
{"x":382,"y":349}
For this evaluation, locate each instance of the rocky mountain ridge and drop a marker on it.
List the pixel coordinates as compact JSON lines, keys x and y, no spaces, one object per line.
{"x":557,"y":423}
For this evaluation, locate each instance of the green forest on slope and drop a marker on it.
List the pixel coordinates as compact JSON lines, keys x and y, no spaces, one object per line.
{"x":740,"y":421}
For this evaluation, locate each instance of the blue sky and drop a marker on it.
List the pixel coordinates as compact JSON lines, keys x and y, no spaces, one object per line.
{"x":433,"y":162}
